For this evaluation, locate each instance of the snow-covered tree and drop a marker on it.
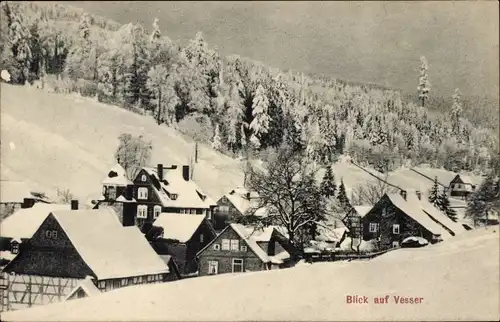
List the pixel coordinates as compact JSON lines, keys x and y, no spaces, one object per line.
{"x":444,"y":204}
{"x":328,"y":186}
{"x":434,"y":194}
{"x":485,"y":199}
{"x":233,"y":117}
{"x":424,"y":85}
{"x":342,"y":200}
{"x":260,"y":122}
{"x":156,"y":33}
{"x":456,"y":111}
{"x":161,"y":86}
{"x":216,"y":140}
{"x":133,"y":153}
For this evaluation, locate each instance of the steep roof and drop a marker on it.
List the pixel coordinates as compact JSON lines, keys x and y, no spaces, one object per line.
{"x":25,"y":222}
{"x":180,"y":227}
{"x":117,"y":176}
{"x":189,"y":195}
{"x":14,"y":191}
{"x":108,"y":248}
{"x":362,"y":210}
{"x":251,"y":241}
{"x":411,"y":207}
{"x":432,"y":211}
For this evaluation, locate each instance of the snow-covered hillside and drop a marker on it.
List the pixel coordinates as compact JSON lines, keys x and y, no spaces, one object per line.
{"x":457,"y":279}
{"x":62,"y":141}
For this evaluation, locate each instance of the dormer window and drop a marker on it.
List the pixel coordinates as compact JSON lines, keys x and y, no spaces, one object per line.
{"x":14,"y":248}
{"x":173,"y":196}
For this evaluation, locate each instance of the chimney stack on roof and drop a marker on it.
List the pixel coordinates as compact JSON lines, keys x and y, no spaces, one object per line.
{"x":185,"y":172}
{"x":159,"y":170}
{"x":403,"y":194}
{"x":74,"y":204}
{"x":129,"y":192}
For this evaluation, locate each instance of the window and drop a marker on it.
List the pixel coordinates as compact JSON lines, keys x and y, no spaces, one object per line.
{"x":51,"y":234}
{"x":235,"y":244}
{"x":142,"y":193}
{"x":124,"y":282}
{"x":156,"y":211}
{"x":384,"y":212}
{"x":183,"y":211}
{"x":149,"y":278}
{"x":201,"y":238}
{"x":142,"y":211}
{"x":139,"y":279}
{"x":395,"y":229}
{"x":216,"y":247}
{"x":143,"y":178}
{"x":237,"y":265}
{"x":213,"y":267}
{"x":135,"y":280}
{"x":14,"y":248}
{"x":243,"y":248}
{"x":373,"y":227}
{"x":395,"y":244}
{"x":225,"y":244}
{"x":102,"y":284}
{"x":193,"y":211}
{"x":224,"y":209}
{"x":173,"y":196}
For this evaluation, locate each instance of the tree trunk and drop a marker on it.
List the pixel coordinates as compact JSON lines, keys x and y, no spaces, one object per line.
{"x":158,"y":114}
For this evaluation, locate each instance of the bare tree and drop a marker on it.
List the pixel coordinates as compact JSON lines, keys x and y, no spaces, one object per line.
{"x":64,"y":196}
{"x":133,"y":153}
{"x":369,"y":193}
{"x":288,"y":190}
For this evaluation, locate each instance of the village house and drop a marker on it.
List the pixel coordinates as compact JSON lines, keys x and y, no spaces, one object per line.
{"x":16,"y":195}
{"x":170,"y":190}
{"x":72,"y":245}
{"x":182,"y":237}
{"x":17,"y":229}
{"x":461,"y":186}
{"x":397,"y":216}
{"x":243,"y":249}
{"x":237,"y":203}
{"x":352,"y":220}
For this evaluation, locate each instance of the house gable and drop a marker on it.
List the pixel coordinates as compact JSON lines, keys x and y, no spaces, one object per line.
{"x":457,"y":179}
{"x":50,"y":254}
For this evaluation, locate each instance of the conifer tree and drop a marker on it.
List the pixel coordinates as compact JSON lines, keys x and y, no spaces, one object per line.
{"x":456,"y":112}
{"x":260,"y":104}
{"x":434,"y":194}
{"x":484,"y":199}
{"x":342,"y":199}
{"x":444,"y":204}
{"x":424,"y":84}
{"x":328,"y":186}
{"x":216,"y":140}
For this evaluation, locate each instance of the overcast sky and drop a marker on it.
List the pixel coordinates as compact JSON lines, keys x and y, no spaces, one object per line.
{"x":376,"y":42}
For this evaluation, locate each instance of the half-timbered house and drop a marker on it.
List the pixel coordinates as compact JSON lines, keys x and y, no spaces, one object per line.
{"x":242,"y":249}
{"x":72,"y":245}
{"x":352,"y":220}
{"x":170,"y":190}
{"x":183,"y":237}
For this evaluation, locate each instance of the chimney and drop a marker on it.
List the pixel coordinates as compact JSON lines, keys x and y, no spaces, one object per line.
{"x":129,"y":192}
{"x":419,"y":194}
{"x":185,"y":172}
{"x":159,"y":170}
{"x":403,"y":194}
{"x":74,"y":204}
{"x":27,"y":203}
{"x":248,"y":195}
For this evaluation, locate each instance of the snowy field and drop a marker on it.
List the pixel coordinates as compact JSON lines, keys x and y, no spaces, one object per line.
{"x":457,"y":280}
{"x":64,"y":141}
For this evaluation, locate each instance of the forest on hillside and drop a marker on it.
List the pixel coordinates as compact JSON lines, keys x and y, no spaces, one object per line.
{"x":240,"y":106}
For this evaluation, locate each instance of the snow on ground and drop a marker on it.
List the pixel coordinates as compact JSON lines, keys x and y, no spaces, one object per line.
{"x":457,"y":279}
{"x":66,"y":142}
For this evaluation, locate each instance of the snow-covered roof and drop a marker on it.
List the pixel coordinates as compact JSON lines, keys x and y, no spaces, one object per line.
{"x":362,"y":210}
{"x":14,"y":191}
{"x":242,"y":199}
{"x":108,"y":248}
{"x":280,"y":257}
{"x":25,"y":222}
{"x":87,"y":286}
{"x":411,"y":207}
{"x":8,"y":255}
{"x":243,"y":232}
{"x":180,"y":227}
{"x":432,"y":211}
{"x":330,"y":234}
{"x":189,"y":194}
{"x":117,"y":176}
